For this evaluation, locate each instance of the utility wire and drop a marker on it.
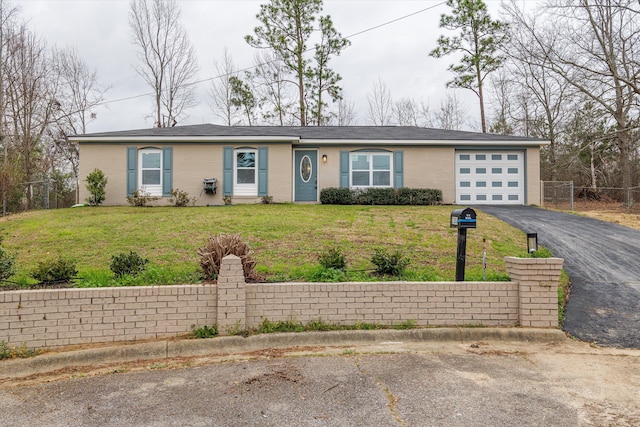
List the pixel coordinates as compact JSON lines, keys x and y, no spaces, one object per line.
{"x":375,"y":27}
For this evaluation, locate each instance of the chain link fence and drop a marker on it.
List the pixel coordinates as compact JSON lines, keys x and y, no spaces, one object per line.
{"x":564,"y":195}
{"x":558,"y":194}
{"x":42,"y":195}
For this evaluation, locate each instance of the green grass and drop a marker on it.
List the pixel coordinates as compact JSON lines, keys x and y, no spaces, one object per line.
{"x":286,"y":240}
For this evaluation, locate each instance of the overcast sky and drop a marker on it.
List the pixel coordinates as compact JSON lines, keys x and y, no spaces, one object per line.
{"x":396,"y":53}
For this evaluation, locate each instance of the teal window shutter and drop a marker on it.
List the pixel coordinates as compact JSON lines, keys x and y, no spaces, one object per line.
{"x":227,"y":171}
{"x":344,"y":169}
{"x":167,"y":171}
{"x":132,"y":172}
{"x":398,"y":169}
{"x":263,"y":171}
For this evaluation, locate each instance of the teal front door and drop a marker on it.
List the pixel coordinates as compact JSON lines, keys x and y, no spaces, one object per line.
{"x":306,"y":175}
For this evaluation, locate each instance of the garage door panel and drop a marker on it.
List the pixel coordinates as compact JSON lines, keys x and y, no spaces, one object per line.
{"x":490,"y":177}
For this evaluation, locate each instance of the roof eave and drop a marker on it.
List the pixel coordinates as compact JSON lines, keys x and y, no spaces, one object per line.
{"x":132,"y":139}
{"x":410,"y":142}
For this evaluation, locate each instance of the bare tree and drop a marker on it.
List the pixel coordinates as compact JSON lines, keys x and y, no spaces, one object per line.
{"x":269,"y":79}
{"x":598,"y":55}
{"x":220,"y":89}
{"x":451,"y":114}
{"x":78,"y":94}
{"x":344,"y":113}
{"x":169,"y":62}
{"x":531,"y":73}
{"x":7,"y":15}
{"x":380,"y":111}
{"x":31,"y":91}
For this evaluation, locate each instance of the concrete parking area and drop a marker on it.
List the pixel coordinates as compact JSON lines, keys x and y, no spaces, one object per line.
{"x":379,"y":382}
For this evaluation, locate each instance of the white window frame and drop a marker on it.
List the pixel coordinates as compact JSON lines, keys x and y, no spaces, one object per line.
{"x":151,"y":189}
{"x":243,"y":189}
{"x":371,"y":170}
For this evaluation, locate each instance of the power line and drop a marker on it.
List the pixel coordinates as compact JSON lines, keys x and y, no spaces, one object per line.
{"x":197,"y":82}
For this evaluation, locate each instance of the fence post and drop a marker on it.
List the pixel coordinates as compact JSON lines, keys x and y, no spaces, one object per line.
{"x":572,"y":195}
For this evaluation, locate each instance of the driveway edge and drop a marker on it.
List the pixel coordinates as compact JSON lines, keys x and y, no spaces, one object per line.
{"x":49,"y":362}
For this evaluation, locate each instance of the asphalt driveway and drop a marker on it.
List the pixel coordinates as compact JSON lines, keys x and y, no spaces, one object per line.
{"x":603,"y":261}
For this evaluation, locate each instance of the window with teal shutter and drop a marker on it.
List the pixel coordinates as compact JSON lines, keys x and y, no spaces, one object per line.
{"x":344,"y":169}
{"x":227,"y":171}
{"x":167,"y":171}
{"x":151,"y":170}
{"x":132,"y":173}
{"x":263,"y":171}
{"x":398,"y":169}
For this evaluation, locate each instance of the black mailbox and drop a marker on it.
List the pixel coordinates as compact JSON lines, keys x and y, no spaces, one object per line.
{"x":463,"y":218}
{"x":210,"y":185}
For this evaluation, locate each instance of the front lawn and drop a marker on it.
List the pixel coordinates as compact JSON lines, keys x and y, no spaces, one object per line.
{"x":285,"y":238}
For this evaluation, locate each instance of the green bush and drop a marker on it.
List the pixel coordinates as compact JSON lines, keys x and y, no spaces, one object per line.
{"x":336,"y":196}
{"x":55,"y":270}
{"x":127,"y":264}
{"x":7,"y":352}
{"x":376,"y":196}
{"x":96,"y":183}
{"x":323,"y":274}
{"x":7,"y":264}
{"x":418,"y":196}
{"x":180,"y":198}
{"x":381,"y":196}
{"x":541,"y":253}
{"x":205,"y":331}
{"x":333,"y":258}
{"x":140,"y":198}
{"x":389,"y":264}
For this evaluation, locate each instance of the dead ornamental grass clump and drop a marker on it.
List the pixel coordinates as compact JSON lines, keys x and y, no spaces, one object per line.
{"x":218,"y":247}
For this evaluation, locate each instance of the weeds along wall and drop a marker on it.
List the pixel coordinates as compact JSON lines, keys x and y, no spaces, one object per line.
{"x":63,"y":317}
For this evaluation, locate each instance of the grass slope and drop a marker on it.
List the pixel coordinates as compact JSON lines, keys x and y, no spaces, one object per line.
{"x":285,"y":238}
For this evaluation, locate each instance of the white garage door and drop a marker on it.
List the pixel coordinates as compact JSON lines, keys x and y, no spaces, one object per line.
{"x":490,"y":177}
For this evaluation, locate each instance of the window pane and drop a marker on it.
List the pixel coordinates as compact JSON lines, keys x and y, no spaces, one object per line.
{"x":481,"y":184}
{"x":465,"y":157}
{"x":382,"y":162}
{"x":512,"y":170}
{"x":246,"y":176}
{"x":512,"y":157}
{"x":496,"y":184}
{"x":246,"y":159}
{"x":481,"y":170}
{"x":481,"y":157}
{"x":513,"y":184}
{"x":151,"y":160}
{"x":360,"y":178}
{"x":513,"y":197}
{"x":359,"y":162}
{"x":465,"y":170}
{"x":381,"y":178}
{"x":465,"y":197}
{"x":496,"y":157}
{"x":465,"y":184}
{"x":150,"y":177}
{"x":496,"y":197}
{"x":496,"y":170}
{"x":481,"y":197}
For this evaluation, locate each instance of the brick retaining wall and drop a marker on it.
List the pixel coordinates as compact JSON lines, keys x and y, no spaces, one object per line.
{"x":62,"y":317}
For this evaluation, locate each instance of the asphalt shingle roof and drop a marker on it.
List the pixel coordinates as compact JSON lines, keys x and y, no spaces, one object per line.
{"x":364,"y":133}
